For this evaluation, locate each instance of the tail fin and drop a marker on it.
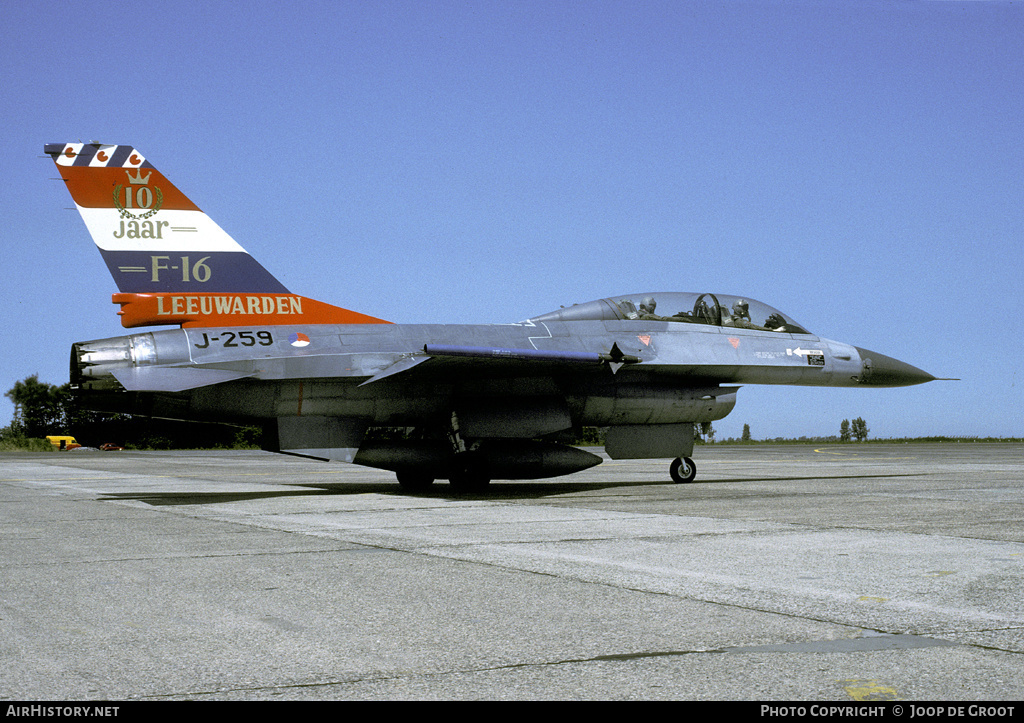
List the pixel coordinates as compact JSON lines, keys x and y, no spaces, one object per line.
{"x":152,"y":237}
{"x":172,"y":262}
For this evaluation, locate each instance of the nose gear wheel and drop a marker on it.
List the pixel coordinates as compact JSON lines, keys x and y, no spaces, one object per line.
{"x":682,"y":470}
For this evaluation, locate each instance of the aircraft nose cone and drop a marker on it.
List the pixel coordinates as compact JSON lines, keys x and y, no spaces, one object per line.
{"x":879,"y":370}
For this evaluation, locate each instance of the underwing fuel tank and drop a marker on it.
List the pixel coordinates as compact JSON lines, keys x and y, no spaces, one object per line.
{"x":515,"y":458}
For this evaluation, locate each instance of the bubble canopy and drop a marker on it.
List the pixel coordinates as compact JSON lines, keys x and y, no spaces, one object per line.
{"x":725,"y":310}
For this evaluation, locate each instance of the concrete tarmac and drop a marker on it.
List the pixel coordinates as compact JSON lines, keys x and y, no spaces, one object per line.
{"x":810,"y":573}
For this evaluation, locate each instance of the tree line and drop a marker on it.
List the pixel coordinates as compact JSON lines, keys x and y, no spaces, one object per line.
{"x":848,"y":431}
{"x":858,"y":430}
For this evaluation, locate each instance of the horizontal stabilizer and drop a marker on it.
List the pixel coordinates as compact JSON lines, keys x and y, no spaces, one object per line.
{"x":173,"y":379}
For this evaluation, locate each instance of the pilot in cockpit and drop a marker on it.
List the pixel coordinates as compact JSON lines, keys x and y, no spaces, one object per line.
{"x":740,"y":310}
{"x":647,"y":307}
{"x":740,"y":316}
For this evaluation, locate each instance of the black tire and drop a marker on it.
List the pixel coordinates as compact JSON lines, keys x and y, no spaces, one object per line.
{"x":468,"y":473}
{"x":414,"y":481}
{"x":682,"y":470}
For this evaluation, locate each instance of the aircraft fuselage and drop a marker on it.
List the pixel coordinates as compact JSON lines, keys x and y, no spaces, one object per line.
{"x":386,"y":375}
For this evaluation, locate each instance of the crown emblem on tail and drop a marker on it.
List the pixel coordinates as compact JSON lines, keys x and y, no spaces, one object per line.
{"x":138,"y":179}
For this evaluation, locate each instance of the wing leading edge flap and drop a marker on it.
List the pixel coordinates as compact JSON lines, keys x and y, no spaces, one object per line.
{"x":615,"y":358}
{"x":173,"y":379}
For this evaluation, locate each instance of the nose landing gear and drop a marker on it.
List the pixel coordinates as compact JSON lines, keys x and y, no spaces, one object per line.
{"x":682,"y":470}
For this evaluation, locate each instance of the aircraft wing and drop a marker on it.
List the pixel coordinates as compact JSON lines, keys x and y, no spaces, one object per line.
{"x":486,"y":354}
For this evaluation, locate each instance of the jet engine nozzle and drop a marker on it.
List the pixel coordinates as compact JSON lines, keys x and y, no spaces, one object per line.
{"x":93,"y":362}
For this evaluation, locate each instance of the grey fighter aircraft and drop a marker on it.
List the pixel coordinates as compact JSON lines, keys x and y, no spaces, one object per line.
{"x":475,"y":402}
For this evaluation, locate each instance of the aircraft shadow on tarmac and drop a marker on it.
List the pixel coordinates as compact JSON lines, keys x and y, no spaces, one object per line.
{"x":497,"y":491}
{"x":501,"y":490}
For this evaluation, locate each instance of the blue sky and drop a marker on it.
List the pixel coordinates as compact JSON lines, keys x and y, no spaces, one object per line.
{"x":858,"y":165}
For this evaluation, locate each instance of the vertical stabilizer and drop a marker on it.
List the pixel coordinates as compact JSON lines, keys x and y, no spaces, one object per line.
{"x":152,"y":237}
{"x":171,"y":262}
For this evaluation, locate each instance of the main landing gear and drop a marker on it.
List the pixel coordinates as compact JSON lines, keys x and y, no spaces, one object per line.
{"x":466,"y":472}
{"x":682,"y":470}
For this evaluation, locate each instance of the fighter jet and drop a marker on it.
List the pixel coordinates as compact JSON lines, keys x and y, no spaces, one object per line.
{"x":465,"y":403}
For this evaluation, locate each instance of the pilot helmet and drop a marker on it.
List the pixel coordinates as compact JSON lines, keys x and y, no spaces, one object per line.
{"x":648,"y":304}
{"x":739,"y":307}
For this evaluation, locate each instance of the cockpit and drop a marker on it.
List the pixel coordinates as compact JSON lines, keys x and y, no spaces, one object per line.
{"x":684,"y":308}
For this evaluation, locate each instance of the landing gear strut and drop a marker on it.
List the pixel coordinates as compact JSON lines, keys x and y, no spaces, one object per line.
{"x":682,"y":470}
